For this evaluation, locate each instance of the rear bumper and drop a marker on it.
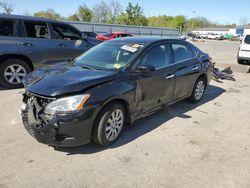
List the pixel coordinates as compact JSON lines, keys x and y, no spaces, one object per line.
{"x":243,"y":60}
{"x":65,"y":130}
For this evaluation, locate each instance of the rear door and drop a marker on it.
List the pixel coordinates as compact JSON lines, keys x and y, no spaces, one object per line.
{"x":68,"y":40}
{"x":155,"y":88}
{"x":8,"y":36}
{"x":187,"y":67}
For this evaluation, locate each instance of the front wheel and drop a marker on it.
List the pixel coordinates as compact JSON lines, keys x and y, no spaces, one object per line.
{"x":12,"y":71}
{"x":198,"y":90}
{"x":109,"y":124}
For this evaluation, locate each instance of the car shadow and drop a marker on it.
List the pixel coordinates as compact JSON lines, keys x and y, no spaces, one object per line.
{"x":147,"y":124}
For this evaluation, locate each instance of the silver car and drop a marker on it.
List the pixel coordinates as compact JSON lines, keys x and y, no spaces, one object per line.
{"x":29,"y":42}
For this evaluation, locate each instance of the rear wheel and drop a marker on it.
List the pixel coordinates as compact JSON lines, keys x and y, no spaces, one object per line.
{"x":198,"y":90}
{"x":109,"y":124}
{"x":12,"y":71}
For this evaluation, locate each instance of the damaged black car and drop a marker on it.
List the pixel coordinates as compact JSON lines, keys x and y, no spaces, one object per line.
{"x":112,"y":84}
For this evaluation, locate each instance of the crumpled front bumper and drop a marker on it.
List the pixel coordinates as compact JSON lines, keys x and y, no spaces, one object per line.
{"x":61,"y":130}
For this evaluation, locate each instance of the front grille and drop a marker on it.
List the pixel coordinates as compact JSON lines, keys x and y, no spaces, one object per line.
{"x":35,"y":109}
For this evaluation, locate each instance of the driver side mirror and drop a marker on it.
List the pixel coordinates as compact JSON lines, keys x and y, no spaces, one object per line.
{"x":84,"y":36}
{"x":145,"y":69}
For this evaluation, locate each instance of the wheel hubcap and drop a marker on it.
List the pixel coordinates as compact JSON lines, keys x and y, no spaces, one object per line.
{"x":114,"y":124}
{"x":14,"y":74}
{"x":199,"y":90}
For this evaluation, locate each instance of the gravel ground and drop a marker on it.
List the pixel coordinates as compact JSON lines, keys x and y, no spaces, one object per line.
{"x":184,"y":145}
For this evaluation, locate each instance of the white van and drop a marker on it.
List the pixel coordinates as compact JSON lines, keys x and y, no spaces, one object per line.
{"x":244,"y":51}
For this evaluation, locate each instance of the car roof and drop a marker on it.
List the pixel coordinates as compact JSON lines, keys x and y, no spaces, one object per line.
{"x":117,"y":33}
{"x":33,"y":18}
{"x":143,"y":39}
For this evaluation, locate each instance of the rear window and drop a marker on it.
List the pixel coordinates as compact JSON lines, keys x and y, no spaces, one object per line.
{"x":6,"y":27}
{"x":107,"y":34}
{"x":247,"y":39}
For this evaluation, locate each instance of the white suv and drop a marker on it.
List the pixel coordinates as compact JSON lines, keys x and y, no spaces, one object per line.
{"x":244,"y":51}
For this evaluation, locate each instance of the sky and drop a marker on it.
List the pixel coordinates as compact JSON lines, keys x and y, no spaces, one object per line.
{"x":219,"y":11}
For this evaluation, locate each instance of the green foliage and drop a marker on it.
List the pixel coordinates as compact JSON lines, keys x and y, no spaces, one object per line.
{"x":74,"y":18}
{"x":84,"y":14}
{"x":133,"y":15}
{"x":50,"y":13}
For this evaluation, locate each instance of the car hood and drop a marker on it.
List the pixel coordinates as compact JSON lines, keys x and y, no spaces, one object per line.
{"x":56,"y":81}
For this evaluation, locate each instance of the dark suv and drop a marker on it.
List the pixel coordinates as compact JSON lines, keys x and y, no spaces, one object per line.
{"x":29,"y":42}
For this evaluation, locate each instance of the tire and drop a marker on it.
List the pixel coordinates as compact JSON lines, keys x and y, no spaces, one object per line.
{"x":198,"y":90}
{"x":12,"y":71}
{"x":105,"y":133}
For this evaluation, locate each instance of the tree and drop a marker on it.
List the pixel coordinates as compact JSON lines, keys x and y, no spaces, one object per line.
{"x":133,"y":15}
{"x":180,"y":22}
{"x":84,"y":13}
{"x":102,"y":13}
{"x":50,"y":13}
{"x":73,"y":17}
{"x":177,"y":22}
{"x":7,"y":7}
{"x":116,"y":9}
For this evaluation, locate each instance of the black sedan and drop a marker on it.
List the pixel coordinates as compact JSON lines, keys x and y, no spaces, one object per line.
{"x":112,"y":84}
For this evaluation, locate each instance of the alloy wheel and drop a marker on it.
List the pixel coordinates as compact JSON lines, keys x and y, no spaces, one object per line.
{"x":14,"y":74}
{"x":114,"y":124}
{"x":200,"y":87}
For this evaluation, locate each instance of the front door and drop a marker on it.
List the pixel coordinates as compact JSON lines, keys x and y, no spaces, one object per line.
{"x":68,"y":40}
{"x":155,"y":88}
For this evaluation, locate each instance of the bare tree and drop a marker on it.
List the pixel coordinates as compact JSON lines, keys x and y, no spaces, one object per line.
{"x":7,"y":7}
{"x":102,"y":13}
{"x":116,"y":9}
{"x":244,"y":20}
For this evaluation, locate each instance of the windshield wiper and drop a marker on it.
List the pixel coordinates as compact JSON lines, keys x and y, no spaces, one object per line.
{"x":88,"y":67}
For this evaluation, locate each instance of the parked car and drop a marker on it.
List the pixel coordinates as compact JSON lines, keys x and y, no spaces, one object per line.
{"x":90,"y":37}
{"x":243,"y":56}
{"x":213,"y":36}
{"x":108,"y":36}
{"x":112,"y":84}
{"x":30,"y":42}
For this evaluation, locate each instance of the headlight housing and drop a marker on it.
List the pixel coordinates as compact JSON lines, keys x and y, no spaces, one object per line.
{"x":67,"y":104}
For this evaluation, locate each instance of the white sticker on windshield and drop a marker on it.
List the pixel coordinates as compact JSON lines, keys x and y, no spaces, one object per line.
{"x":129,"y":48}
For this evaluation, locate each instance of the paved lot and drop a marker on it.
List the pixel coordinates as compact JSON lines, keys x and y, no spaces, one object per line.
{"x":185,"y":145}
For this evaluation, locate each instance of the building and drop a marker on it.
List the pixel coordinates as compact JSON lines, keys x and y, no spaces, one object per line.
{"x":240,"y":30}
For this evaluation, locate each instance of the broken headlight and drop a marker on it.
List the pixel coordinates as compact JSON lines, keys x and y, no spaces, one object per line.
{"x":66,"y":104}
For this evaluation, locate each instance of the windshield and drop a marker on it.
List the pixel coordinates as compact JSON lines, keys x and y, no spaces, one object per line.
{"x":109,"y":55}
{"x":107,"y":34}
{"x":247,"y":39}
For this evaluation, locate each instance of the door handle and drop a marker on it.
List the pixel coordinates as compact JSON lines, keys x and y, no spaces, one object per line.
{"x":26,"y":44}
{"x":170,"y":76}
{"x":195,"y":68}
{"x":61,"y":45}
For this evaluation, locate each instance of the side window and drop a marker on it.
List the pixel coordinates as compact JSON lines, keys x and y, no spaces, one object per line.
{"x":181,"y":52}
{"x":158,"y":56}
{"x":194,"y":49}
{"x":6,"y":27}
{"x":36,"y":30}
{"x":66,"y":32}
